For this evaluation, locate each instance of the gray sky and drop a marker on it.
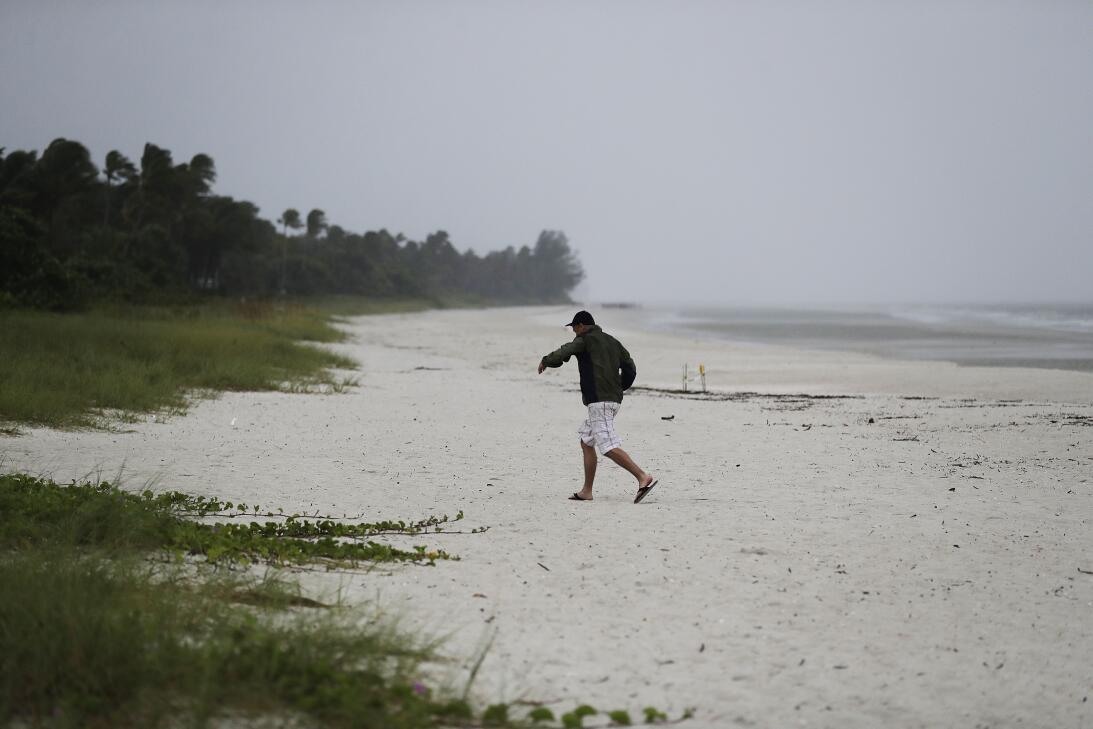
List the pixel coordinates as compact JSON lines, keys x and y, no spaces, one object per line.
{"x":736,"y":152}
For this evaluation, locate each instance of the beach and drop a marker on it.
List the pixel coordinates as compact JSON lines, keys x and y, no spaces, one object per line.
{"x":837,"y":539}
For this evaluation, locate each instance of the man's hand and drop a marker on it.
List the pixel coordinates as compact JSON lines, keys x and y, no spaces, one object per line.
{"x":541,"y":367}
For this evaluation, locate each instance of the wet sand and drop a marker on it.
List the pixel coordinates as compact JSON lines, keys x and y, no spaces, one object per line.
{"x":912,"y":550}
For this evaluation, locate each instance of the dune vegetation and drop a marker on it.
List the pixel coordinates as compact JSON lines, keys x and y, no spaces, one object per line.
{"x":115,"y":611}
{"x":122,"y":609}
{"x":72,"y":369}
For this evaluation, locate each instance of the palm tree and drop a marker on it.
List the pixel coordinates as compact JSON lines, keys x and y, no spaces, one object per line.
{"x":65,"y":169}
{"x":62,"y":178}
{"x":117,"y":167}
{"x":316,"y":223}
{"x":289,"y":219}
{"x":154,"y":180}
{"x":203,"y":173}
{"x":17,"y":185}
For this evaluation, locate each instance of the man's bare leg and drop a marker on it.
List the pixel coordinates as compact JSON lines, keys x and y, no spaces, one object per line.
{"x":589,"y":454}
{"x":619,"y":456}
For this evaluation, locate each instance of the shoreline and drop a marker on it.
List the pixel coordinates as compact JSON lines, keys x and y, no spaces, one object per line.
{"x":962,"y":340}
{"x":842,"y":561}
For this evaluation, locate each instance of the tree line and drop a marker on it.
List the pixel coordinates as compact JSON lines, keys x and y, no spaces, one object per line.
{"x":72,"y":233}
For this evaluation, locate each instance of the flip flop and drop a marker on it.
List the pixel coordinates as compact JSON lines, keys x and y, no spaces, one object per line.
{"x":644,"y":490}
{"x":575,"y":497}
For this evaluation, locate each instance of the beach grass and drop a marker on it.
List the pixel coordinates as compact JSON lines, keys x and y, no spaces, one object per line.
{"x":100,"y":626}
{"x":116,"y":362}
{"x":88,"y":642}
{"x":68,"y":370}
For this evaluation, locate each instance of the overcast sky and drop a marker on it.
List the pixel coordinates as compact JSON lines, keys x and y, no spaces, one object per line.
{"x":737,"y":152}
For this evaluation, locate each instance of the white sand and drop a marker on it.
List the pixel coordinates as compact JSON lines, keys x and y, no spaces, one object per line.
{"x":779,"y":575}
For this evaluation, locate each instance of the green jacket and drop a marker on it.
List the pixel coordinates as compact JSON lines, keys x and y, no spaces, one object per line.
{"x":606,"y":367}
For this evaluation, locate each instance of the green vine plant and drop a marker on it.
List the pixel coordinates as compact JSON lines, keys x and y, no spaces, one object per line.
{"x":204,"y":506}
{"x":101,"y":514}
{"x":541,"y":716}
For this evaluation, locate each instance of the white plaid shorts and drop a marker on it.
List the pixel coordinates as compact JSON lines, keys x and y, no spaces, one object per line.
{"x":599,"y":427}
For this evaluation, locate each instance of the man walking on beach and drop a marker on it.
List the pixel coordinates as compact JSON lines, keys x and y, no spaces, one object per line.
{"x":606,"y":370}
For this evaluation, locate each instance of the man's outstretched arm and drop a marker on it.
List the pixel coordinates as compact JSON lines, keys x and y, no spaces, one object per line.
{"x":561,"y":355}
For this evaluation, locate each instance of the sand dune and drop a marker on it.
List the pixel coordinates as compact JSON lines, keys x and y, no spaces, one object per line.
{"x":908,"y":555}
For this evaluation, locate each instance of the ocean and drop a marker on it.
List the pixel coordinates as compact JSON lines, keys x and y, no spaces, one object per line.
{"x":1043,"y":336}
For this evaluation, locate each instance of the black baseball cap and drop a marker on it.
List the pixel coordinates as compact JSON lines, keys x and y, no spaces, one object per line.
{"x":582,"y":317}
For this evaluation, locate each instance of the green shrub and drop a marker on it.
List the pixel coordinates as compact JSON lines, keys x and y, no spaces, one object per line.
{"x":619,"y":718}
